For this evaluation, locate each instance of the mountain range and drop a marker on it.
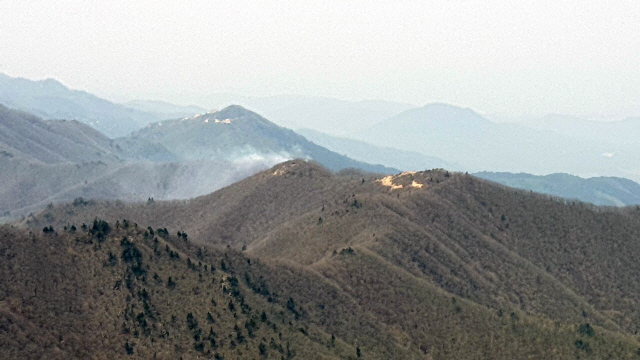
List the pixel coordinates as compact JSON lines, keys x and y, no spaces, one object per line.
{"x":26,"y":136}
{"x":458,"y":136}
{"x":235,"y":132}
{"x":148,"y":230}
{"x":387,"y":156}
{"x":621,"y":131}
{"x":429,"y":264}
{"x":49,"y":99}
{"x":327,"y":115}
{"x":609,"y":191}
{"x":464,"y":137}
{"x":55,"y":161}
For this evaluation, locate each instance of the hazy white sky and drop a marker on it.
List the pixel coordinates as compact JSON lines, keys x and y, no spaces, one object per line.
{"x":505,"y":57}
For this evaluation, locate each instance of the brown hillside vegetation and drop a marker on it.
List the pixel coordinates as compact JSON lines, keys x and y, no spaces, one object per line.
{"x":91,"y":293}
{"x":428,"y":264}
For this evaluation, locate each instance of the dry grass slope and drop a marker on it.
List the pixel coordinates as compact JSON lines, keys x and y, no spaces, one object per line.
{"x":82,"y":294}
{"x":418,"y":265}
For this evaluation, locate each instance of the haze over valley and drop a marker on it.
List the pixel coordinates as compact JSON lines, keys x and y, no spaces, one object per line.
{"x":188,"y":150}
{"x":370,"y":180}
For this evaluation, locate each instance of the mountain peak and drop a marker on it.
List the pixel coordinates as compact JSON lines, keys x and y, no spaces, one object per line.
{"x":227,"y":115}
{"x":236,"y":111}
{"x":448,"y":112}
{"x":449,"y":118}
{"x":52,"y":83}
{"x":299,"y":168}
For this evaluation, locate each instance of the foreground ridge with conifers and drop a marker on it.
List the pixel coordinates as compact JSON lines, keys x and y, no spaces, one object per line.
{"x":418,"y":265}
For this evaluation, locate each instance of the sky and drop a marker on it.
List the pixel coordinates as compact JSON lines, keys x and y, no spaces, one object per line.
{"x":507,"y":58}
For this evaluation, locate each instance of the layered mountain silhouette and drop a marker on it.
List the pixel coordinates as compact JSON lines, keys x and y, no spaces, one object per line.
{"x":49,"y":99}
{"x":332,"y":116}
{"x":622,"y":131}
{"x":388,"y":156}
{"x":235,"y":132}
{"x":554,"y":144}
{"x":609,"y":191}
{"x":148,"y":230}
{"x":163,"y":109}
{"x":27,"y":137}
{"x":53,"y":161}
{"x":426,"y":264}
{"x":464,"y":137}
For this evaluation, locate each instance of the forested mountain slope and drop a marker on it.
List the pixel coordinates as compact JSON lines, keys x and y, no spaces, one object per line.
{"x":437,"y":264}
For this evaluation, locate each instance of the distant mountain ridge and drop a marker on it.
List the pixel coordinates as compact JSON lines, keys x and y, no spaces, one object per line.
{"x":621,"y":131}
{"x":609,"y":191}
{"x":328,"y":115}
{"x":163,"y":109}
{"x":464,"y":137}
{"x":54,"y":161}
{"x":387,"y":156}
{"x":235,"y":132}
{"x":27,"y":136}
{"x":50,"y":99}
